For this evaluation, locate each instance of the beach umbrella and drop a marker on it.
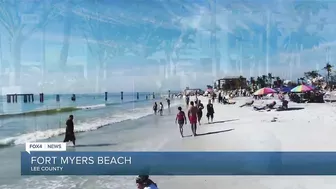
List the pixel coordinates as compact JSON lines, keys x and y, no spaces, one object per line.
{"x":264,"y":91}
{"x":301,"y":89}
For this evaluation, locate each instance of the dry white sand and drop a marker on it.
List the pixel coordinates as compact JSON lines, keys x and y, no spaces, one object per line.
{"x":310,"y":129}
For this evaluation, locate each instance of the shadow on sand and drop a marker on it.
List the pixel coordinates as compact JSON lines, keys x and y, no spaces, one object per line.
{"x":187,"y":136}
{"x":215,"y":132}
{"x":290,"y":109}
{"x":93,"y":145}
{"x":229,"y":120}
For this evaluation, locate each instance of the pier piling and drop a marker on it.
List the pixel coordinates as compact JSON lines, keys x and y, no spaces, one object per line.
{"x":41,"y":97}
{"x":122,"y":95}
{"x":13,"y":98}
{"x":105,"y":96}
{"x":25,"y":100}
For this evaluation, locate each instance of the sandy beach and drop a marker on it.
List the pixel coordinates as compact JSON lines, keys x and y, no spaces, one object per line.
{"x":235,"y":129}
{"x":243,"y":129}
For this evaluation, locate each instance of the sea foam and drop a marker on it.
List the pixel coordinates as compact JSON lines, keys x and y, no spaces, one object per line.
{"x":91,"y":125}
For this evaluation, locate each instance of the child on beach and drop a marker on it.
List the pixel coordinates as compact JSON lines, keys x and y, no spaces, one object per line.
{"x":161,"y":109}
{"x":181,"y":119}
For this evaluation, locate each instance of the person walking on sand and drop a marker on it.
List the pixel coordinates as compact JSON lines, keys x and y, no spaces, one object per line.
{"x":187,"y":100}
{"x":200,"y":108}
{"x":210,"y":111}
{"x":161,"y":109}
{"x":192,"y":114}
{"x":155,"y":108}
{"x":69,"y":131}
{"x":181,"y":119}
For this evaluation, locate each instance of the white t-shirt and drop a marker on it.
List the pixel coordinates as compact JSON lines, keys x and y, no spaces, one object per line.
{"x":161,"y":107}
{"x":152,"y":186}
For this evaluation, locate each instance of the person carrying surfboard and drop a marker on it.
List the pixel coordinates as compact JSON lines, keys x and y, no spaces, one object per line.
{"x":69,"y":131}
{"x":181,"y":119}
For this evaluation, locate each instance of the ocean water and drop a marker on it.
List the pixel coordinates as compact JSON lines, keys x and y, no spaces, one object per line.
{"x":26,"y":122}
{"x":100,"y":126}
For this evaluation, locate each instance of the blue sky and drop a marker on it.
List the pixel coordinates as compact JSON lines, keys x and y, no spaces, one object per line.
{"x":145,"y":43}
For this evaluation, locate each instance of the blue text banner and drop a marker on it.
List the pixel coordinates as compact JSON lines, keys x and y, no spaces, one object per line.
{"x":178,"y":163}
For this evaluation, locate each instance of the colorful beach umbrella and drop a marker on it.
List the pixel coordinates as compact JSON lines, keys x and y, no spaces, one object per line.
{"x":264,"y":91}
{"x":301,"y":88}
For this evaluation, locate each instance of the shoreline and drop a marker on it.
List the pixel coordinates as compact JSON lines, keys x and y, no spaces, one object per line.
{"x":128,"y":135}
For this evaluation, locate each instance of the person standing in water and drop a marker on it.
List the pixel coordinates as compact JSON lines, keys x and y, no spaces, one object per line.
{"x":192,"y":114}
{"x":210,"y":111}
{"x":181,"y":119}
{"x":69,"y":131}
{"x":168,"y":103}
{"x":200,"y":108}
{"x":155,"y":108}
{"x":161,"y":109}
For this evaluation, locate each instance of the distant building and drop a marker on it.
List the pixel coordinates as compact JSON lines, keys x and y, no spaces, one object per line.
{"x":231,"y":83}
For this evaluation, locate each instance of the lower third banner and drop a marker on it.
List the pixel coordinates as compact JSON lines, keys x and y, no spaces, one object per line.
{"x":178,"y":163}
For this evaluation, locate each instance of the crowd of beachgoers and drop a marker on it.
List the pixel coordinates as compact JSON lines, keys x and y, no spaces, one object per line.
{"x":299,"y":94}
